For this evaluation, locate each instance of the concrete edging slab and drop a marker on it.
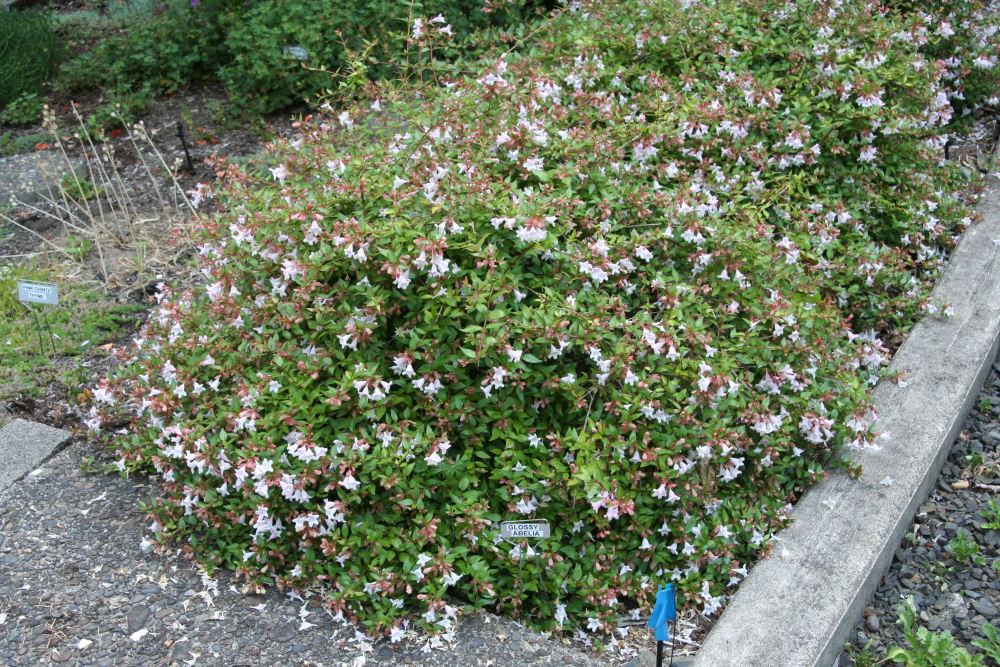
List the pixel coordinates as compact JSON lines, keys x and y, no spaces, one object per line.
{"x":23,"y":445}
{"x":799,"y":606}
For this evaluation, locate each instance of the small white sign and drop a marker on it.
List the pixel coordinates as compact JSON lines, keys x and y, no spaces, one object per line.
{"x":296,"y":52}
{"x":537,"y":529}
{"x":34,"y":292}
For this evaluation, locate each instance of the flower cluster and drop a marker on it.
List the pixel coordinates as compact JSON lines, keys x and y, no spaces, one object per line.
{"x":633,"y":282}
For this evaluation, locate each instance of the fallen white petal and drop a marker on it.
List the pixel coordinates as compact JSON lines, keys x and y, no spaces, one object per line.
{"x":887,"y":481}
{"x":84,"y":644}
{"x":138,"y":634}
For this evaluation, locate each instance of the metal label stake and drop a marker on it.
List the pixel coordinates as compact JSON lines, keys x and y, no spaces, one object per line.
{"x":537,"y":529}
{"x":30,"y":291}
{"x":187,"y":155}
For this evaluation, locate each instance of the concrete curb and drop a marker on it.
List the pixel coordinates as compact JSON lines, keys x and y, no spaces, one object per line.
{"x":799,"y":606}
{"x":23,"y":445}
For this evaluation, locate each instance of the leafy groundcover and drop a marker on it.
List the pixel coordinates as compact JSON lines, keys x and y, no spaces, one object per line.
{"x":630,"y":279}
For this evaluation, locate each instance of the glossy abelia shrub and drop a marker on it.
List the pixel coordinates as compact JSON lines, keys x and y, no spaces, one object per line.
{"x":632,"y":281}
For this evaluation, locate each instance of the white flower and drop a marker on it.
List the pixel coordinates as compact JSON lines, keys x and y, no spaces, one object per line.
{"x":402,"y":281}
{"x":402,"y":366}
{"x":529,"y":234}
{"x":103,"y":395}
{"x":279,"y":173}
{"x":350,"y":483}
{"x":534,"y":164}
{"x":945,"y":30}
{"x":560,"y":616}
{"x":526,"y":505}
{"x":871,"y":100}
{"x":593,"y":624}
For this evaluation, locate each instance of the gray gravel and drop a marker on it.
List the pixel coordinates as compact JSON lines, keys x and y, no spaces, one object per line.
{"x":77,"y":588}
{"x":949,"y":594}
{"x":35,"y":177}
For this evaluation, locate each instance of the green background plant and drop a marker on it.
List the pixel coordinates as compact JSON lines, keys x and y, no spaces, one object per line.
{"x":938,"y":649}
{"x":10,"y":145}
{"x":243,"y":45}
{"x":29,"y":51}
{"x":962,"y":547}
{"x":25,"y":110}
{"x":991,"y":515}
{"x":263,"y":76}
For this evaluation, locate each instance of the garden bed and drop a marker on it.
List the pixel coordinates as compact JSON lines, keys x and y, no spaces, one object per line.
{"x":726,"y":263}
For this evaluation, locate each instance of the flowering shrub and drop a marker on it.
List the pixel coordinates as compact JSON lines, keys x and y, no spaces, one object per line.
{"x":631,"y":281}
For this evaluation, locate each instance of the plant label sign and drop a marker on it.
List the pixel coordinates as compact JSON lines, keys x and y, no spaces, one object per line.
{"x":536,"y":529}
{"x":29,"y":291}
{"x":296,"y":52}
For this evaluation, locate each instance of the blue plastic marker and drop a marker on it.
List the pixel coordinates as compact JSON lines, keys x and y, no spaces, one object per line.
{"x":664,"y":611}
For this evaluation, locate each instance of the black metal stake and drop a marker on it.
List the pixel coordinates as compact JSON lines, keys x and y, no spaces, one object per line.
{"x":180,"y":134}
{"x":48,"y":326}
{"x":38,"y":327}
{"x":659,"y":650}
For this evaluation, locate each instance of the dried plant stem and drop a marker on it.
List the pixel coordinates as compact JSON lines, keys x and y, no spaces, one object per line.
{"x":110,"y":213}
{"x":55,"y":246}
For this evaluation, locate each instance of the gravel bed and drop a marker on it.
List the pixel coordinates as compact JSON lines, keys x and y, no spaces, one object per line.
{"x":33,"y":177}
{"x":949,"y":594}
{"x":77,"y":587}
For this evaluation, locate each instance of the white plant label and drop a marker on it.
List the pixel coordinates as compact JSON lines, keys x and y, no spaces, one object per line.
{"x":296,"y":52}
{"x":537,"y":529}
{"x":29,"y":291}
